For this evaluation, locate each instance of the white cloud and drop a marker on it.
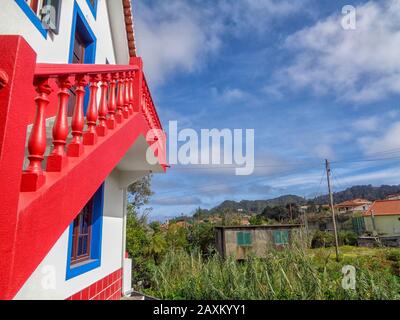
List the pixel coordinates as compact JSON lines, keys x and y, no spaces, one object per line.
{"x":359,"y":65}
{"x":366,"y":124}
{"x":176,"y":201}
{"x":230,"y":95}
{"x":171,"y":37}
{"x":178,"y":36}
{"x":388,"y":141}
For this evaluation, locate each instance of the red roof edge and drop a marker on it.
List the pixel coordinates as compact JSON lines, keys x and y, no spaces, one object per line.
{"x":130,"y":30}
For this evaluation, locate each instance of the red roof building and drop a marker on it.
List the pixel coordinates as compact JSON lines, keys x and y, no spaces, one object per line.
{"x":355,"y":205}
{"x":383,"y":218}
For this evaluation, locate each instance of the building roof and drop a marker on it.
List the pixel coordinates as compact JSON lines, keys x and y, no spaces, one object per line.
{"x":384,"y":208}
{"x":353,"y":203}
{"x":130,"y":31}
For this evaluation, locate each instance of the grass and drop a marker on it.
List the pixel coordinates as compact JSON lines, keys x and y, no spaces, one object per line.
{"x":283,"y":275}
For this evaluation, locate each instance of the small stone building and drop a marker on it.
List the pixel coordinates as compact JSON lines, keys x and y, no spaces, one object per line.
{"x":240,"y":241}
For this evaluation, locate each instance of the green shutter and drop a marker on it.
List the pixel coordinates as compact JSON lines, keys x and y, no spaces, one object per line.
{"x":243,"y":238}
{"x":285,"y":236}
{"x":281,"y":237}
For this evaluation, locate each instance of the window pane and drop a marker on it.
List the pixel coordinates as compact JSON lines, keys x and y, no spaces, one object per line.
{"x":85,"y":242}
{"x":79,"y":246}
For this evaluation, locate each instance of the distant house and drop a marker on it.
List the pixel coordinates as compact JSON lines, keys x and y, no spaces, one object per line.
{"x":393,"y":197}
{"x":240,"y":241}
{"x":383,"y":218}
{"x":353,"y":206}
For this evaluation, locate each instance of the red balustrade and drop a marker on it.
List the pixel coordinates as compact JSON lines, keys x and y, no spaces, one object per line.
{"x":120,"y":100}
{"x":103,"y":108}
{"x":131,"y":94}
{"x":58,"y":157}
{"x":127,"y":84}
{"x":90,"y":136}
{"x":117,"y":102}
{"x":112,"y":102}
{"x":33,"y":177}
{"x":75,"y":148}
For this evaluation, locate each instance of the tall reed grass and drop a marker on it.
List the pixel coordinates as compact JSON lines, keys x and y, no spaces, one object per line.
{"x":288,"y":274}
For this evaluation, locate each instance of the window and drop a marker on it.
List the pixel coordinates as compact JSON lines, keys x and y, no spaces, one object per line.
{"x":44,"y":14}
{"x":34,"y":5}
{"x":84,"y":245}
{"x":243,"y":239}
{"x":82,"y":227}
{"x":92,"y":6}
{"x":281,"y":237}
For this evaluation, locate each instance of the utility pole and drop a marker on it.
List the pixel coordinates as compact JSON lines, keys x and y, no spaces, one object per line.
{"x":328,"y":177}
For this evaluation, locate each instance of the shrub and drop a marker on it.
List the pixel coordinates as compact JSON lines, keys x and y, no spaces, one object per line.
{"x":322,"y":239}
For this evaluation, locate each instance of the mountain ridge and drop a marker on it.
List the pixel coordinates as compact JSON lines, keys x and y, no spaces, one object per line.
{"x":368,"y":192}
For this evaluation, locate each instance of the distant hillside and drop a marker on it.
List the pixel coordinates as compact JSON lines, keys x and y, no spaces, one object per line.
{"x":368,"y":192}
{"x":257,"y":206}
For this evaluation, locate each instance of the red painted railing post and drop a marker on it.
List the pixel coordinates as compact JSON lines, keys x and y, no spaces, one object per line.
{"x":125,"y":109}
{"x":102,"y":127}
{"x":120,"y":100}
{"x":33,"y":177}
{"x":90,"y":136}
{"x":57,"y":160}
{"x":75,"y":148}
{"x":131,"y":94}
{"x":137,"y":84}
{"x":112,"y":104}
{"x":127,"y":106}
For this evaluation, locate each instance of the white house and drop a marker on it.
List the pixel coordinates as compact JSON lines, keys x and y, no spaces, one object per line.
{"x":63,"y":223}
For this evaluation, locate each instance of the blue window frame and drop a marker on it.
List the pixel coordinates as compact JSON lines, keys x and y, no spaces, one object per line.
{"x":33,"y":17}
{"x":95,"y":225}
{"x":81,"y":27}
{"x":93,"y":7}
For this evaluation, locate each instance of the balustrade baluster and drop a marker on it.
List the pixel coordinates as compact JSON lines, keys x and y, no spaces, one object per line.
{"x":75,"y":148}
{"x":132,"y":93}
{"x":57,"y":160}
{"x":120,"y":100}
{"x":90,"y":136}
{"x":33,"y":177}
{"x":128,"y":99}
{"x":125,"y":110}
{"x":102,"y":127}
{"x":112,"y":103}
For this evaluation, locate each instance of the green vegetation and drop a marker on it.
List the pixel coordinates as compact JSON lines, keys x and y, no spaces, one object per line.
{"x":326,"y":239}
{"x":289,"y":274}
{"x":178,"y":261}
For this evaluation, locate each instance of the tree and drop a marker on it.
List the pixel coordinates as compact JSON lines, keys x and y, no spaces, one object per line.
{"x":201,"y":235}
{"x":177,"y":237}
{"x":256,"y":220}
{"x":140,"y":192}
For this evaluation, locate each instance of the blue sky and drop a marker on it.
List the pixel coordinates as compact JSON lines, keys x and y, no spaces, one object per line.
{"x":287,"y":69}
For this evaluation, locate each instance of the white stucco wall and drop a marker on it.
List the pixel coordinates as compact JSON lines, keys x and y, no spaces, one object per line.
{"x":55,"y":49}
{"x":49,"y":279}
{"x":385,"y":225}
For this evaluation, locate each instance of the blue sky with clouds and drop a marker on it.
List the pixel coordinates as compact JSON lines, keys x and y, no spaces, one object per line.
{"x":287,"y":69}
